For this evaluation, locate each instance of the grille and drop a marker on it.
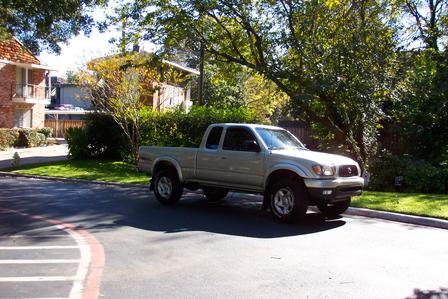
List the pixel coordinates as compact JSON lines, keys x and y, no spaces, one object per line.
{"x":348,"y":170}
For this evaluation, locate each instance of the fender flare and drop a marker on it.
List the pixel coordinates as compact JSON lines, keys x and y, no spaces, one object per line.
{"x":284,"y":166}
{"x":171,"y":161}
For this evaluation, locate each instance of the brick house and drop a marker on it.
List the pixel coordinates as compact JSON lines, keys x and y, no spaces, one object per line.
{"x":23,"y":87}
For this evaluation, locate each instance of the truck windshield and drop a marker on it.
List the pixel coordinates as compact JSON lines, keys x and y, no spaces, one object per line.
{"x":276,"y":139}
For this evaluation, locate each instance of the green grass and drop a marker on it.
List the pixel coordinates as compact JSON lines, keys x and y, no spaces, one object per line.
{"x":431,"y":205}
{"x":97,"y":170}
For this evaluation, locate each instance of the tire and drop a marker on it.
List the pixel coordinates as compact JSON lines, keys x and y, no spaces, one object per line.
{"x":334,"y":209}
{"x":214,"y":194}
{"x":167,"y":187}
{"x":288,"y":200}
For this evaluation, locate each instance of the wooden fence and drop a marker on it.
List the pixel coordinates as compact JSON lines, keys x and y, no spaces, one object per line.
{"x":302,"y":131}
{"x":60,"y":126}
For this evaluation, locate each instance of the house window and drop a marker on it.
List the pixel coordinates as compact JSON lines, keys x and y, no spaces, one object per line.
{"x":24,"y":82}
{"x":22,"y":118}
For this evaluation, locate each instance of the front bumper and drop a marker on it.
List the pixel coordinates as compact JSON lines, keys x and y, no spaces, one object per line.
{"x":333,"y":190}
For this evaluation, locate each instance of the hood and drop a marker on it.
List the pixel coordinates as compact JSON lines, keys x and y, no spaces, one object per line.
{"x":318,"y":158}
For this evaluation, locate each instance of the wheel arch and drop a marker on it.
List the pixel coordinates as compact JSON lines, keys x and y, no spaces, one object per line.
{"x":167,"y":163}
{"x":282,"y":171}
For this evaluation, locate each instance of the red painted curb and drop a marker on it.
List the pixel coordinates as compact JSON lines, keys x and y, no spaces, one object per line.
{"x":91,"y":287}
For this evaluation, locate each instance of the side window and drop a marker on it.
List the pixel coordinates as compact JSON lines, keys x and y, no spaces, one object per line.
{"x":238,"y":139}
{"x":213,"y":138}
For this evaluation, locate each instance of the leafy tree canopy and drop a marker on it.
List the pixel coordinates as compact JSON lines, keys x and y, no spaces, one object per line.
{"x":334,"y":59}
{"x":45,"y":23}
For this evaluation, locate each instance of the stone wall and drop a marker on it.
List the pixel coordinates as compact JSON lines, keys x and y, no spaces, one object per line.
{"x":38,"y":115}
{"x":39,"y":82}
{"x":7,"y":107}
{"x":7,"y":81}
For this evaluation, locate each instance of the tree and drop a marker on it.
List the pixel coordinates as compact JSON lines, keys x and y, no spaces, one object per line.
{"x":334,"y":59}
{"x":122,"y":85}
{"x":430,"y":21}
{"x":39,"y":23}
{"x":420,"y":117}
{"x":117,"y":86}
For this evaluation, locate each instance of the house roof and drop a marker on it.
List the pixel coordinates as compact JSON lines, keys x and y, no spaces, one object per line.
{"x":26,"y":49}
{"x":164,"y":61}
{"x":13,"y":52}
{"x":32,"y":65}
{"x":181,"y":67}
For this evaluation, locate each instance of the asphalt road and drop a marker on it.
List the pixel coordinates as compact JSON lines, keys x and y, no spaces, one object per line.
{"x":233,"y":250}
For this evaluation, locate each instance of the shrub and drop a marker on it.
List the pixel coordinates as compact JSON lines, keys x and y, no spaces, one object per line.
{"x":8,"y":138}
{"x":30,"y":138}
{"x":105,"y":137}
{"x":100,"y":138}
{"x":418,"y":175}
{"x":78,"y":144}
{"x":48,"y":132}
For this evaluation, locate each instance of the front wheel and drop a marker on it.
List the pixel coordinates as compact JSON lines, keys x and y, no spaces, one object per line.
{"x":334,"y":209}
{"x":167,"y":187}
{"x":288,"y":200}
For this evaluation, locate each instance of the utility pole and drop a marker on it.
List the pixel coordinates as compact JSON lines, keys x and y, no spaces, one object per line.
{"x":201,"y":74}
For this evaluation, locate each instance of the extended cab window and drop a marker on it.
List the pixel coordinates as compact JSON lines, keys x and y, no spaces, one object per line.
{"x":238,"y":139}
{"x":213,"y":138}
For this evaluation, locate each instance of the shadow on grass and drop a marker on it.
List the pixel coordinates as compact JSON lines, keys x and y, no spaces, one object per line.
{"x":101,"y":170}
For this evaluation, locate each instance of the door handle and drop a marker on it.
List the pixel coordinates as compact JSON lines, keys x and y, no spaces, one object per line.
{"x":223,"y":158}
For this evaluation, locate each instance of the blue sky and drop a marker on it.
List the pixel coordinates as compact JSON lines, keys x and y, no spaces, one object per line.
{"x":80,"y":49}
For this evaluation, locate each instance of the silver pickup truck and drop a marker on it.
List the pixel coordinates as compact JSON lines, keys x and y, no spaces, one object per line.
{"x":255,"y":159}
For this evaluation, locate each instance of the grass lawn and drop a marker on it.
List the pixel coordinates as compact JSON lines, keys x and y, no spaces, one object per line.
{"x":431,"y":205}
{"x":97,"y":170}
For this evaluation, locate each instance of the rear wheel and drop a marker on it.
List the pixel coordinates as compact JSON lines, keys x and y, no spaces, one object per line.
{"x":288,"y":200}
{"x":334,"y":209}
{"x":214,"y":194}
{"x":167,"y":187}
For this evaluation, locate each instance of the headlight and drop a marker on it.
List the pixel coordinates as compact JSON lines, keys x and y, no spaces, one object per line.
{"x":323,"y":170}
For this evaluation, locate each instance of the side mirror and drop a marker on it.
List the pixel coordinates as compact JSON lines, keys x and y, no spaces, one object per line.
{"x":251,"y":146}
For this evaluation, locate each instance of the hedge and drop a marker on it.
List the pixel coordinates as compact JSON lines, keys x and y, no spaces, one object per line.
{"x":185,"y":129}
{"x":8,"y":138}
{"x":101,"y":137}
{"x":419,"y":176}
{"x":24,"y":137}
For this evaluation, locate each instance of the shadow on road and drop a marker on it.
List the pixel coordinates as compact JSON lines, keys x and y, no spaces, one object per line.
{"x":441,"y":293}
{"x":98,"y":208}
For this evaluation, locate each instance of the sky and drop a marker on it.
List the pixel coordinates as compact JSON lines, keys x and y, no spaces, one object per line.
{"x":81,"y":49}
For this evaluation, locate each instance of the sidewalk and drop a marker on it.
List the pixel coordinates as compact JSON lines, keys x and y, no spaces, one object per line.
{"x":34,"y":155}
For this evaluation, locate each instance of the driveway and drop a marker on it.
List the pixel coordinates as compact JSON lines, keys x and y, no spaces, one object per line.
{"x":233,"y":250}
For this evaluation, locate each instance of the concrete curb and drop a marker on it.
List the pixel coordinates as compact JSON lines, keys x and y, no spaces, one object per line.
{"x":68,"y":180}
{"x":411,"y":219}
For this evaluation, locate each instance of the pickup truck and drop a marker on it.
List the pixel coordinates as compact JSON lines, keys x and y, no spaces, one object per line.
{"x":255,"y":159}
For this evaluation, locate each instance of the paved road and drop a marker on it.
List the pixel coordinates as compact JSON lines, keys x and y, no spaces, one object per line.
{"x":197,"y":250}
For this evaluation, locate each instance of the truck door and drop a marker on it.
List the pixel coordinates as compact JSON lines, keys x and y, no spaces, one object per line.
{"x":241,"y":162}
{"x":208,"y":157}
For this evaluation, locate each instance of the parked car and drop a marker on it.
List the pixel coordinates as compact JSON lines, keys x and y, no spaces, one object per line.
{"x":255,"y":159}
{"x":65,"y":107}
